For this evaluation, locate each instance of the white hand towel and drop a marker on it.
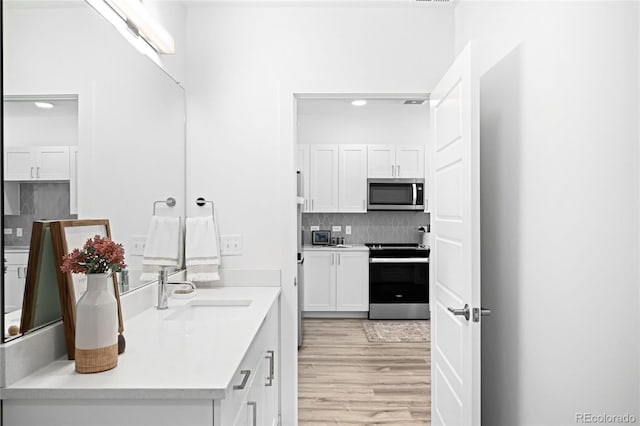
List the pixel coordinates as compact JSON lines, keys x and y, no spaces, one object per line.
{"x":201,"y":249}
{"x":162,"y":247}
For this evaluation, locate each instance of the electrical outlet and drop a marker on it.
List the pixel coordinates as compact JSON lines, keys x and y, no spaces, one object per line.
{"x":18,"y":232}
{"x":231,"y":245}
{"x":8,"y":231}
{"x":336,"y":228}
{"x":347,"y":229}
{"x":137,"y":245}
{"x":315,"y":228}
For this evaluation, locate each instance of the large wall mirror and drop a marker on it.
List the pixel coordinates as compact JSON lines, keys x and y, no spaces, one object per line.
{"x":91,"y":129}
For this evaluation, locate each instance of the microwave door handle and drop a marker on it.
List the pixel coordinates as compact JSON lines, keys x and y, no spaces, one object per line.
{"x":414,"y":187}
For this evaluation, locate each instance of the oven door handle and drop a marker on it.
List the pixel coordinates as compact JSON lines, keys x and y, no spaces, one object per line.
{"x":399,"y":260}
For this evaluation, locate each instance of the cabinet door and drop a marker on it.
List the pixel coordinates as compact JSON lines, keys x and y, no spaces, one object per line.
{"x":324,"y":178}
{"x":52,"y":162}
{"x":352,"y":284}
{"x":319,"y":281}
{"x":353,"y":179}
{"x":14,"y":280}
{"x":410,"y":161}
{"x":19,"y":163}
{"x":302,"y":164}
{"x":381,"y":161}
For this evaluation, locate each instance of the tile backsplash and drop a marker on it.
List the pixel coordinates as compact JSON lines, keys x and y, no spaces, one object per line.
{"x":370,"y":227}
{"x":38,"y":201}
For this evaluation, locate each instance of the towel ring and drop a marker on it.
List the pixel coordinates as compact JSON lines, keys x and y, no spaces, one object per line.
{"x":202,"y":202}
{"x":170,"y":202}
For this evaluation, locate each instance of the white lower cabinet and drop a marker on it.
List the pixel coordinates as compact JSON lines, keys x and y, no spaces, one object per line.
{"x":253,"y":402}
{"x":14,"y":279}
{"x":336,"y":280}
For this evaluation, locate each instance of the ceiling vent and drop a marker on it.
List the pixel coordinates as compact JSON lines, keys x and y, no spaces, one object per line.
{"x":416,"y":101}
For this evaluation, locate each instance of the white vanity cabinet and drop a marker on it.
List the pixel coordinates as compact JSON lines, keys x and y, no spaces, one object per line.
{"x":14,"y":278}
{"x":336,"y":280}
{"x":254,"y":396}
{"x":396,"y":161}
{"x":29,"y":163}
{"x":158,"y":397}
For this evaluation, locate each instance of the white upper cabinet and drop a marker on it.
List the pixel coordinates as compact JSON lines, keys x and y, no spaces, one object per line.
{"x":381,"y":161}
{"x":36,"y":163}
{"x":396,"y":161}
{"x":324,"y":178}
{"x":410,"y":161}
{"x":302,"y":164}
{"x":353,"y":179}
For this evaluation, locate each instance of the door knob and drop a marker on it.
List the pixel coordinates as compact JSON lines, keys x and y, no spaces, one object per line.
{"x":465,"y":312}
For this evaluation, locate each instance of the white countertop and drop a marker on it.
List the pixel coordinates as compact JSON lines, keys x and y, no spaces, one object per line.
{"x":346,"y":247}
{"x":163,"y":359}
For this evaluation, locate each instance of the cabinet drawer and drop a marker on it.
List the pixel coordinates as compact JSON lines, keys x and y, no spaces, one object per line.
{"x":399,"y":293}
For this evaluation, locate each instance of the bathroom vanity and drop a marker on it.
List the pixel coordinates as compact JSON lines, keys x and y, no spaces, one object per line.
{"x":212,"y":359}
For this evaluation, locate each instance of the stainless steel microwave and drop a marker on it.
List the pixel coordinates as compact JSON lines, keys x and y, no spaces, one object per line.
{"x":395,"y":194}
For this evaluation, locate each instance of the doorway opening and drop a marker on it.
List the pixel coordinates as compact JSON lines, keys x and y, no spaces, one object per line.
{"x":352,"y":368}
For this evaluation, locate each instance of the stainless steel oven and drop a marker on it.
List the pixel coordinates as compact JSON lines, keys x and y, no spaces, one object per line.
{"x":398,"y":281}
{"x":395,"y":194}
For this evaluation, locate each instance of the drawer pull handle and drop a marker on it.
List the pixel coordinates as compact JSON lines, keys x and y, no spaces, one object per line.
{"x":254,"y":405}
{"x":245,"y":379}
{"x":270,"y":356}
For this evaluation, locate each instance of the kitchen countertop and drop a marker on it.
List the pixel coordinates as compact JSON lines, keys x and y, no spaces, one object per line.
{"x":347,"y":247}
{"x":164,"y":359}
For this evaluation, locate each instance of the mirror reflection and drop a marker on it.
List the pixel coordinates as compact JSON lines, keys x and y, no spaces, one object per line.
{"x":92,"y":129}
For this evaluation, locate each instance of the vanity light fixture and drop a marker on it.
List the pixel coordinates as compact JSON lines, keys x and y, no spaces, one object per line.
{"x":359,"y":102}
{"x":44,"y":105}
{"x":137,"y":26}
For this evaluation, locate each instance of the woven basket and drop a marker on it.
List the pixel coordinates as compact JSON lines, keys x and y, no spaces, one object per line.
{"x":96,"y":360}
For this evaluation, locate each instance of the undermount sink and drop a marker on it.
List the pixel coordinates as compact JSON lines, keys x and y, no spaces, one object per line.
{"x":210,"y":309}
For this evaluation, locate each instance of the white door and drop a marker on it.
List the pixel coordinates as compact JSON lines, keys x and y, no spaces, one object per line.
{"x":353,"y":179}
{"x":410,"y":161}
{"x":324,"y":178}
{"x":352,"y":281}
{"x":381,"y":160}
{"x":319,"y":281}
{"x":455,"y":258}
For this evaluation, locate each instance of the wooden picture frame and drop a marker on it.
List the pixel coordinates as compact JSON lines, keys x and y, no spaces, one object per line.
{"x":41,"y":304}
{"x":68,"y":235}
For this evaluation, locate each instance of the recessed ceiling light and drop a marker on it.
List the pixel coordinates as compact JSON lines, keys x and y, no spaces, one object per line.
{"x":45,"y":105}
{"x":359,"y":102}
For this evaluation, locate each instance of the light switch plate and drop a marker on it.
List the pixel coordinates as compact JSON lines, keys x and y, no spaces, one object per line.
{"x":18,"y":232}
{"x":315,"y":228}
{"x":8,"y":231}
{"x":336,"y":228}
{"x":347,"y":229}
{"x":231,"y":245}
{"x":137,"y":245}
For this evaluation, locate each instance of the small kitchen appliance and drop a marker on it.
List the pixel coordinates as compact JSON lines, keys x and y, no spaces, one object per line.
{"x":321,"y":238}
{"x":395,"y":194}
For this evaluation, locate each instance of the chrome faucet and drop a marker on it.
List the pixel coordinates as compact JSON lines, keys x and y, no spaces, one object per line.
{"x":163,"y":282}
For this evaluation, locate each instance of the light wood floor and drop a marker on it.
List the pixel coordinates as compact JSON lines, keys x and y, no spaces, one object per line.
{"x":344,"y":379}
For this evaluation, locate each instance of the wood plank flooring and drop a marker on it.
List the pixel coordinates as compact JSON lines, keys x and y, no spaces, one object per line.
{"x":344,"y":379}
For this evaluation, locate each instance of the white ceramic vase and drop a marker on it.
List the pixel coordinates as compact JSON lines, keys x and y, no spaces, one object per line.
{"x":96,"y":326}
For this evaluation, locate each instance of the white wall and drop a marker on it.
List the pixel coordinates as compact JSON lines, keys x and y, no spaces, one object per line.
{"x":171,"y":14}
{"x":379,"y":122}
{"x":245,"y":64}
{"x":560,"y":185}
